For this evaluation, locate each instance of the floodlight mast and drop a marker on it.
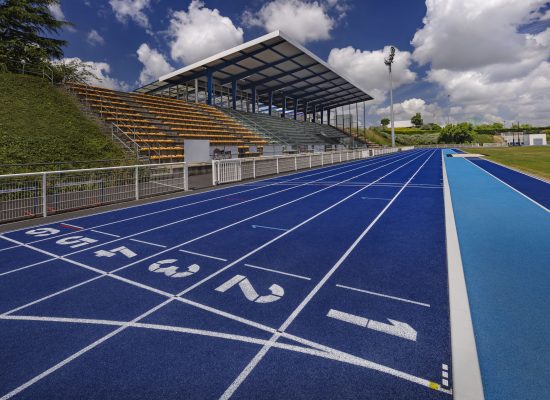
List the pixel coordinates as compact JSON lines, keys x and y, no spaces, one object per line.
{"x":389,"y":61}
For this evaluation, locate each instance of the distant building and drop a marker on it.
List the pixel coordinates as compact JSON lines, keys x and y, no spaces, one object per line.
{"x":403,"y":124}
{"x":534,"y":139}
{"x":512,"y":137}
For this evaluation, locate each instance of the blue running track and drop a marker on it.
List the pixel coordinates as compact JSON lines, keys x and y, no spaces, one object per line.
{"x":504,"y":229}
{"x":330,"y":283}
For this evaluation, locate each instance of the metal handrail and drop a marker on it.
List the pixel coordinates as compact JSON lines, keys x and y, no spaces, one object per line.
{"x":261,"y":130}
{"x":43,"y":70}
{"x":116,"y":131}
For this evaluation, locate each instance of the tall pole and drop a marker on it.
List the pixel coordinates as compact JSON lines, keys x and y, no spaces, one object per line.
{"x":389,"y":62}
{"x":391,"y":112}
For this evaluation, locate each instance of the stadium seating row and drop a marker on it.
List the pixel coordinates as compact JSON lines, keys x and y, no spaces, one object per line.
{"x":158,"y":126}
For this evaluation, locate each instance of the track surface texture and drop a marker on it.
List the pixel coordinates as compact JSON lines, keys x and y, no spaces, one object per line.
{"x":329,"y":283}
{"x":503,"y":226}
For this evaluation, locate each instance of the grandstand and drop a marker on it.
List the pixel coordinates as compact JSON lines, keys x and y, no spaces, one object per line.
{"x":238,"y":98}
{"x":156,"y":127}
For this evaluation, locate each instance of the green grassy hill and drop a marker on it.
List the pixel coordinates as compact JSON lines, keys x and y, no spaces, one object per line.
{"x":40,"y":124}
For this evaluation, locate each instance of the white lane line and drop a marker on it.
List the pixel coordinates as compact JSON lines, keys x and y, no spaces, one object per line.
{"x":104,"y":233}
{"x":149,"y":243}
{"x":361,"y":162}
{"x":511,"y":187}
{"x":268,"y":227}
{"x":103,"y":273}
{"x":344,"y":256}
{"x":9,"y":248}
{"x":50,"y":296}
{"x":375,"y":198}
{"x":137,"y":319}
{"x":228,"y":207}
{"x":383,"y":295}
{"x":519,"y":171}
{"x":327,"y":353}
{"x":259,"y":356}
{"x":27,"y":266}
{"x":360,"y":362}
{"x":278,"y":272}
{"x":466,"y":372}
{"x":202,"y":255}
{"x":227,"y":315}
{"x":382,"y":185}
{"x":79,"y":353}
{"x":214,"y":274}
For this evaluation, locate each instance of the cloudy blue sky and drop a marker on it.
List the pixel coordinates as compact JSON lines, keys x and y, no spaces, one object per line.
{"x":479,"y":60}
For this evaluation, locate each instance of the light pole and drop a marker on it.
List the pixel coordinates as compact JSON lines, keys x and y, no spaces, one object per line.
{"x":389,"y":61}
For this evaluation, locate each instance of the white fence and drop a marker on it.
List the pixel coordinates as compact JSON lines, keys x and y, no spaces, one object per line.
{"x":235,"y":170}
{"x":45,"y":193}
{"x":462,"y":145}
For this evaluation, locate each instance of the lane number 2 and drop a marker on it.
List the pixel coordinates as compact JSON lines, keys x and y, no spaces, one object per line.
{"x":249,"y":292}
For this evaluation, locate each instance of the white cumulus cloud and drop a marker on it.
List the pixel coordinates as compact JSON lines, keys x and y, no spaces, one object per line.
{"x":131,"y":10}
{"x":200,"y":32}
{"x":102,"y":71}
{"x":480,"y":57}
{"x":303,"y":20}
{"x":57,"y":12}
{"x":154,"y":64}
{"x":368,"y":71}
{"x":404,"y":111}
{"x":94,"y":38}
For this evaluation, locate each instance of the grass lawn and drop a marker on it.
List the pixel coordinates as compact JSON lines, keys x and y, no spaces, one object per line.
{"x":373,"y":136}
{"x":531,"y":159}
{"x":40,"y":124}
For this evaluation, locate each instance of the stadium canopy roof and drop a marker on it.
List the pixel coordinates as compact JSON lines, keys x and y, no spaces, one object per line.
{"x":273,"y":69}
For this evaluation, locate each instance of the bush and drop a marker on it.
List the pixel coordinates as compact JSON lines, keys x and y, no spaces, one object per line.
{"x":460,"y":133}
{"x":413,"y":140}
{"x":407,"y":131}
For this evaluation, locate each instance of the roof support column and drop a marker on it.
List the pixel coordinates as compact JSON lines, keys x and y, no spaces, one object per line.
{"x":295,"y":108}
{"x":305,"y":112}
{"x":254,"y":93}
{"x":270,"y":101}
{"x":234,"y":95}
{"x":328,"y":116}
{"x":196,"y":90}
{"x":315,"y":113}
{"x":322,"y":115}
{"x":209,"y":88}
{"x":357,"y":118}
{"x":284,"y":107}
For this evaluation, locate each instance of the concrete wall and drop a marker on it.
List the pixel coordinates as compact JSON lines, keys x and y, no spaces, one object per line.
{"x":534,"y":139}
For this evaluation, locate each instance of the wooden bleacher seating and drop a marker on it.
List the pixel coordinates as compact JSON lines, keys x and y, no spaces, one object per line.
{"x":159,"y":125}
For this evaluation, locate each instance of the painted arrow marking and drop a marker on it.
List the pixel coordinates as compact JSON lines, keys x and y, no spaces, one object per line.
{"x":269,"y":227}
{"x":395,"y":328}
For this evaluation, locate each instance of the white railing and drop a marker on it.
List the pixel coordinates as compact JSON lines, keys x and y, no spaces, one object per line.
{"x":37,"y":194}
{"x":462,"y":145}
{"x":235,"y":170}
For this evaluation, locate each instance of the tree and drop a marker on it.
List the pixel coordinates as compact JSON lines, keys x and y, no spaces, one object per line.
{"x":417,"y":121}
{"x":385,"y":122}
{"x":460,"y":133}
{"x":494,"y":126}
{"x":24,"y":27}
